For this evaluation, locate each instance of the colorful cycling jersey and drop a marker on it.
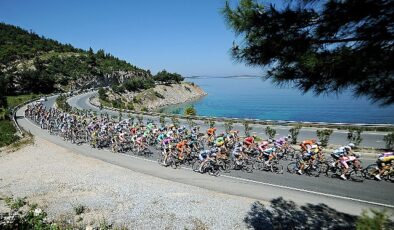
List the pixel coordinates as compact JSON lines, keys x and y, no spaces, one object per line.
{"x":167,"y":141}
{"x":181,"y":144}
{"x":280,"y":142}
{"x":307,"y":142}
{"x":161,"y":137}
{"x":211,"y":131}
{"x":139,"y":139}
{"x":386,"y":157}
{"x":149,"y":126}
{"x":269,"y":150}
{"x":249,"y":140}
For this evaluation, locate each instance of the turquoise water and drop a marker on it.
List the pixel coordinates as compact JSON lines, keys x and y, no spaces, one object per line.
{"x":251,"y":97}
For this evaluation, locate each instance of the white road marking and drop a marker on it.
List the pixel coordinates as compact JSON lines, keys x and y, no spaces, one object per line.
{"x":264,"y":183}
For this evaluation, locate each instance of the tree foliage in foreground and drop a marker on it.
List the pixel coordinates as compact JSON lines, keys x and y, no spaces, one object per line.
{"x":320,"y":46}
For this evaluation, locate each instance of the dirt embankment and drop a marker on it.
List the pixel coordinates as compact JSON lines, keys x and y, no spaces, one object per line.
{"x":58,"y":180}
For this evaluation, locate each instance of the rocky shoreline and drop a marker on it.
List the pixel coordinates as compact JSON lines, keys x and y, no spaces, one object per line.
{"x":155,"y":98}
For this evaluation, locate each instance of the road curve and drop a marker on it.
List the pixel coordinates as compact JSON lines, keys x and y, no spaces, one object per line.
{"x":339,"y":137}
{"x":344,"y":196}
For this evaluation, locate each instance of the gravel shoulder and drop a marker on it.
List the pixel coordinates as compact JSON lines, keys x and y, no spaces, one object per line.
{"x":58,"y":180}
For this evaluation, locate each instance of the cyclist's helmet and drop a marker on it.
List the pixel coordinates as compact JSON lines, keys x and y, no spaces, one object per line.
{"x":214,"y":150}
{"x":318,"y":143}
{"x":347,"y":147}
{"x":351,"y":145}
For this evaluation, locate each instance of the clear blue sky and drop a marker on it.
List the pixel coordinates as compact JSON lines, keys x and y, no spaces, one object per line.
{"x":185,"y":36}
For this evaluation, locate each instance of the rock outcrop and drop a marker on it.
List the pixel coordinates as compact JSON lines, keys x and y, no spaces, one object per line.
{"x":159,"y":96}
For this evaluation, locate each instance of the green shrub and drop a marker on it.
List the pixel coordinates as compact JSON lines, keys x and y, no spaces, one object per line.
{"x":270,"y":132}
{"x":190,"y":111}
{"x":7,"y":133}
{"x":130,"y":106}
{"x":247,"y":128}
{"x":166,"y":77}
{"x":15,"y":204}
{"x":210,"y":122}
{"x":389,"y":140}
{"x":294,"y":131}
{"x":324,"y":136}
{"x":144,"y":109}
{"x":79,"y":209}
{"x":117,"y":103}
{"x":102,"y":94}
{"x":159,"y":95}
{"x":62,"y":103}
{"x":118,"y":88}
{"x":378,"y":221}
{"x":228,"y":125}
{"x":137,"y":100}
{"x":138,"y":83}
{"x":354,"y":135}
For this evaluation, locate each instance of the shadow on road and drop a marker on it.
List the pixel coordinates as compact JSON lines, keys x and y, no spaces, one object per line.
{"x":282,"y":214}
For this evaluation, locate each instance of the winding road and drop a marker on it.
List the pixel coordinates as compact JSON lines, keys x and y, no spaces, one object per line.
{"x":345,"y":196}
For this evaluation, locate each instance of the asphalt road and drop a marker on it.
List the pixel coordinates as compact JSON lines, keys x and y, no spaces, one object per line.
{"x":345,"y":196}
{"x":339,"y":137}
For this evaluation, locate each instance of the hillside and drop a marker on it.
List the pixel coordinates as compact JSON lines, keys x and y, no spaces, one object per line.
{"x":30,"y":63}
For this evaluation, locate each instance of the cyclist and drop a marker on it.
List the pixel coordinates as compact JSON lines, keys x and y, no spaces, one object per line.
{"x":249,"y":141}
{"x":181,"y":146}
{"x":385,"y":161}
{"x":206,"y":155}
{"x":166,"y":148}
{"x":346,"y":157}
{"x":266,"y":153}
{"x":309,"y":156}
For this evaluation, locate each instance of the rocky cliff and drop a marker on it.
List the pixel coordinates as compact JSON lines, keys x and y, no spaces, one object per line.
{"x":159,"y":96}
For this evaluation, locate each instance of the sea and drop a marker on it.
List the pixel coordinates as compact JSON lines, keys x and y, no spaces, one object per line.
{"x":252,"y":97}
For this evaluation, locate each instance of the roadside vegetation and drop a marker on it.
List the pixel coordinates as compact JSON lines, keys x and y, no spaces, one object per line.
{"x":7,"y":130}
{"x":25,"y":215}
{"x":33,"y":64}
{"x":7,"y":133}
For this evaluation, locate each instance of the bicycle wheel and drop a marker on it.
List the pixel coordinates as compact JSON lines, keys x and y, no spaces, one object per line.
{"x":277,"y":168}
{"x":258,"y":165}
{"x":213,"y":171}
{"x":371,"y":171}
{"x":324,"y":167}
{"x":292,"y":167}
{"x":390,"y":176}
{"x":196,"y":166}
{"x":356,"y":175}
{"x":314,"y":170}
{"x":247,"y":167}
